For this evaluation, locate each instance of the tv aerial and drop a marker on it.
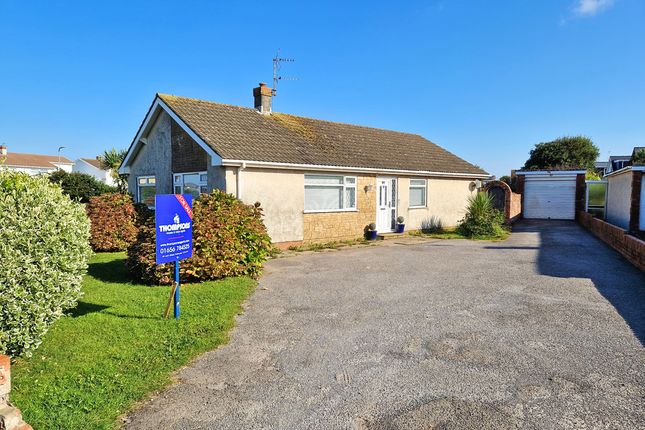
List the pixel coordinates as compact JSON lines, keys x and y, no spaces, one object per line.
{"x":277,"y":64}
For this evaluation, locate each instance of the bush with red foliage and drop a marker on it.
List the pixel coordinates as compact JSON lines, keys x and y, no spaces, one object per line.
{"x":115,"y":219}
{"x":229,"y":239}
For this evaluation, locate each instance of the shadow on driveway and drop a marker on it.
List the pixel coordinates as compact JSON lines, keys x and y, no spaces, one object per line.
{"x":566,"y":250}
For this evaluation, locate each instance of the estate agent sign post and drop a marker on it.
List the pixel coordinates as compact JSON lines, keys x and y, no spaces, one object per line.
{"x":174,"y":235}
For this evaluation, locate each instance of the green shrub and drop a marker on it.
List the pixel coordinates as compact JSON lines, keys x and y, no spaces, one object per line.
{"x":44,"y":251}
{"x":432,"y":225}
{"x":482,"y":219}
{"x":229,"y":239}
{"x":80,"y":186}
{"x":115,"y":220}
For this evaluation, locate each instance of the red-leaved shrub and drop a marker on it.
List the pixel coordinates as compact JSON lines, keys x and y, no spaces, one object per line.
{"x":229,"y":239}
{"x":115,"y":218}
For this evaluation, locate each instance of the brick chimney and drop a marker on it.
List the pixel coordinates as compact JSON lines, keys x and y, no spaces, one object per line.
{"x":3,"y":149}
{"x":262,"y":98}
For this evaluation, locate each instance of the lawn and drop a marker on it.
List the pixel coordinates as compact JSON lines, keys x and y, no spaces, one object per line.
{"x":115,"y":348}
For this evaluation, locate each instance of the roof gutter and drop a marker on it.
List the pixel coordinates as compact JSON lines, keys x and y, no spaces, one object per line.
{"x":625,"y":170}
{"x":550,"y":172}
{"x":318,"y":167}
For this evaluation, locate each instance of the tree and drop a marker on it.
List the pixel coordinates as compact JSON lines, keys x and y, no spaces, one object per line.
{"x":111,"y":160}
{"x":638,"y":159}
{"x":568,"y":152}
{"x":80,"y":186}
{"x":511,"y":181}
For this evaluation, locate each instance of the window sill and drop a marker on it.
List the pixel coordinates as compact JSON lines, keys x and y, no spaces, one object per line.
{"x":418,"y":207}
{"x":322,"y":211}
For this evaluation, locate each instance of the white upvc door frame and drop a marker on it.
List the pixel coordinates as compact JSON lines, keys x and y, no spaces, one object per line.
{"x":386,"y":203}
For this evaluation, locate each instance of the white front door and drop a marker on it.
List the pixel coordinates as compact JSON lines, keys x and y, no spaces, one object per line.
{"x":385,"y":204}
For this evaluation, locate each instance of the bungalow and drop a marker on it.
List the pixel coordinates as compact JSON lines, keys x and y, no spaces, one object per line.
{"x":316,"y":180}
{"x":94,"y":167}
{"x":33,"y":164}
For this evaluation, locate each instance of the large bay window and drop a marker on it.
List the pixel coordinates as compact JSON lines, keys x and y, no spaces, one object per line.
{"x":418,"y":192}
{"x":330,"y":193}
{"x":191,"y":183}
{"x":146,"y":190}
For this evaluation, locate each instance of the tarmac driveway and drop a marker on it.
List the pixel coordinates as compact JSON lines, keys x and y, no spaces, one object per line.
{"x":545,"y":330}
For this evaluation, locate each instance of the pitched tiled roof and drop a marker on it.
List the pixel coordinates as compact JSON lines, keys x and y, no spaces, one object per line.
{"x":238,"y":133}
{"x":33,"y":160}
{"x":94,"y":162}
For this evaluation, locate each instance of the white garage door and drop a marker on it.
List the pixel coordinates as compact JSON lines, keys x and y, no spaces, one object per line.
{"x":550,"y":198}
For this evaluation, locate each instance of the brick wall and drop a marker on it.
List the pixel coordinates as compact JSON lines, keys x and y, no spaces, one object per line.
{"x":10,"y":417}
{"x":187,"y":155}
{"x":632,"y":248}
{"x":515,"y":207}
{"x":333,"y":226}
{"x":635,"y":208}
{"x":512,"y":201}
{"x":580,"y":192}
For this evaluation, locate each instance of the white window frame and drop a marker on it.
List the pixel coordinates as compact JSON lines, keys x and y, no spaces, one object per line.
{"x":147,"y":184}
{"x":201,"y":184}
{"x":425,"y":193}
{"x":344,"y":186}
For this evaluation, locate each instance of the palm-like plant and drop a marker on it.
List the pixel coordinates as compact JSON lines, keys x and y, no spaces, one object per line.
{"x":481,"y":219}
{"x":111,"y":160}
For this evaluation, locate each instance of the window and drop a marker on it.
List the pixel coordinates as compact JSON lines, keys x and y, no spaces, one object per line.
{"x":418,"y":192}
{"x":330,"y":193}
{"x":191,"y":183}
{"x":146,"y":190}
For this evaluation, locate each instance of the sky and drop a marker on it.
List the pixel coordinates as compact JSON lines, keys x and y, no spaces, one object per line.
{"x":486,"y":80}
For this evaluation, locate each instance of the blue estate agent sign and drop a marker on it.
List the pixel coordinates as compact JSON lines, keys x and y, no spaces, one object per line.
{"x":174,"y":227}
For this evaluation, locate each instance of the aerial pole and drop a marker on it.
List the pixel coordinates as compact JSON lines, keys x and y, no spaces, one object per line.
{"x":277,"y":61}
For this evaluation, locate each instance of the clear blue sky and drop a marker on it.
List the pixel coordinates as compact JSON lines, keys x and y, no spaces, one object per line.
{"x":484,"y":79}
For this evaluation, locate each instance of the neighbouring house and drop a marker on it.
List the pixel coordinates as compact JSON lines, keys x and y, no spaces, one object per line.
{"x":94,"y":167}
{"x":601,"y":167}
{"x":33,"y":164}
{"x":316,"y":180}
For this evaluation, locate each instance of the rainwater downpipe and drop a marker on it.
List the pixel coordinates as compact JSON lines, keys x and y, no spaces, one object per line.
{"x":238,"y":186}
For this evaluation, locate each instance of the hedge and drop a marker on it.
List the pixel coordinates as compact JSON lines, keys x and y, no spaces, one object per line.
{"x":229,"y":239}
{"x":44,"y":250}
{"x":115,"y":219}
{"x":80,"y":186}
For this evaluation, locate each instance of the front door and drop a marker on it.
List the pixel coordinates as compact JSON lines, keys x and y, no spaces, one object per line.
{"x":385,"y":204}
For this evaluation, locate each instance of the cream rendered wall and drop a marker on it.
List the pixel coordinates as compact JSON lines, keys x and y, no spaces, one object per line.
{"x":281,"y":194}
{"x":619,"y":199}
{"x":446,"y":199}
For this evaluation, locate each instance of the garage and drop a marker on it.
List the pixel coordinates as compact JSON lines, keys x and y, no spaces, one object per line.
{"x":550,"y":194}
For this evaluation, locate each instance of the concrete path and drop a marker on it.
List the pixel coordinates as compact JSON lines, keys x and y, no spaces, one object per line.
{"x":543,"y":331}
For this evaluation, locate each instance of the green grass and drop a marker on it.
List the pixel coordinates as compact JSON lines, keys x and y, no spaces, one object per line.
{"x":454,"y":234}
{"x":115,"y":348}
{"x":328,"y":245}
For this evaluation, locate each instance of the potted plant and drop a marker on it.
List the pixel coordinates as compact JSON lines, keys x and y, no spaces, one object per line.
{"x":370,"y":231}
{"x":400,"y":226}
